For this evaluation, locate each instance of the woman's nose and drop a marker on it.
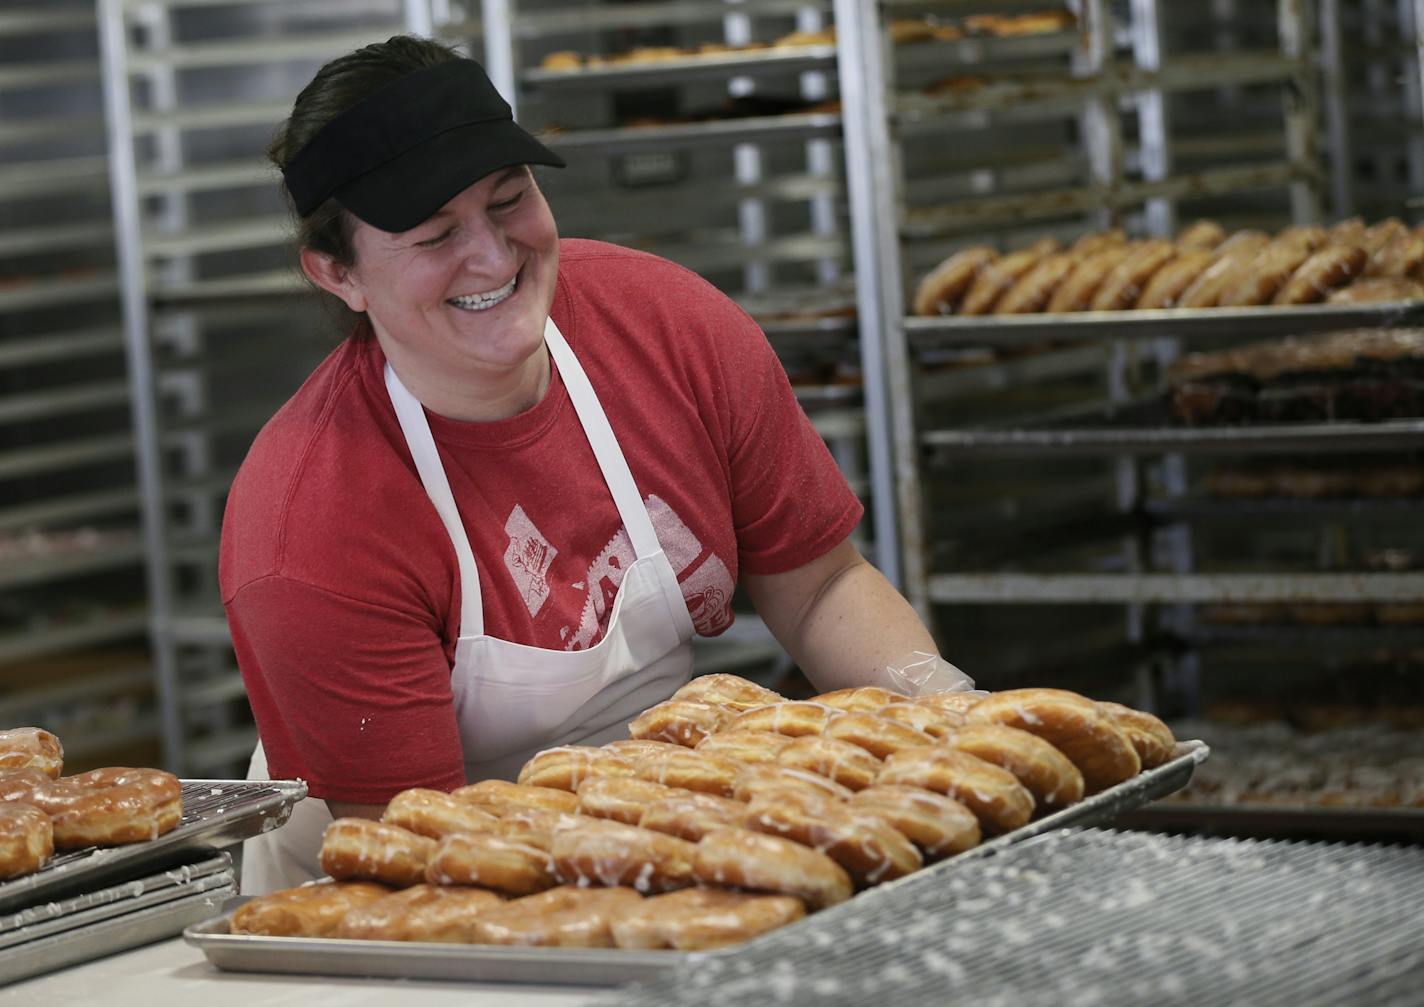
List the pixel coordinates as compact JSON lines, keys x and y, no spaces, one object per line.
{"x":486,"y":249}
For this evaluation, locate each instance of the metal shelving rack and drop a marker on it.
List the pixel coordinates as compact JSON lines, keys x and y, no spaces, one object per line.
{"x":215,"y":340}
{"x":71,"y":593}
{"x":1372,"y":60}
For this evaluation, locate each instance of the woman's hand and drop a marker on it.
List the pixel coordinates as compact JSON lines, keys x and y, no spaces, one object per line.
{"x":839,"y":619}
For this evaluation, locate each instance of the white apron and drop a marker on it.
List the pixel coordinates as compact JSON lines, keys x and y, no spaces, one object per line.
{"x":513,"y":700}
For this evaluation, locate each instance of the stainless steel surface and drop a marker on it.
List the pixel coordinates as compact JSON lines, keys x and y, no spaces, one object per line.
{"x":1261,"y":323}
{"x":49,"y":918}
{"x":146,"y":921}
{"x":1101,"y":918}
{"x":216,"y":813}
{"x":594,"y":966}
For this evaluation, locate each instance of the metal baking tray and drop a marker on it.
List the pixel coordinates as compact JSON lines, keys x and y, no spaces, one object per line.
{"x":1282,"y":819}
{"x":100,"y":923}
{"x":599,"y":966}
{"x":216,"y":813}
{"x":675,"y":69}
{"x":1145,"y":427}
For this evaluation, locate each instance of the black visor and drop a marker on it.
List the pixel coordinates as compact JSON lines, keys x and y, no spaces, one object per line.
{"x":408,"y":148}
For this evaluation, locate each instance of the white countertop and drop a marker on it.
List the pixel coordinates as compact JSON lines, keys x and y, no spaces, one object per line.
{"x":173,"y":972}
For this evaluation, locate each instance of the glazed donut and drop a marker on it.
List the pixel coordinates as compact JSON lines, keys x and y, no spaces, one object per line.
{"x":566,"y":766}
{"x":1167,"y":285}
{"x":880,"y":736}
{"x":420,"y":913}
{"x":485,"y":860}
{"x":636,"y":748}
{"x":940,"y":291}
{"x":105,"y":807}
{"x":1381,"y":234}
{"x":762,"y":776}
{"x":940,"y":826}
{"x":795,"y":719}
{"x":1153,"y":740}
{"x":998,"y":800}
{"x":26,"y":840}
{"x":731,"y":691}
{"x":700,"y":919}
{"x":742,"y":858}
{"x":679,"y":721}
{"x":500,"y":797}
{"x":21,"y":784}
{"x":691,"y":816}
{"x":610,"y":853}
{"x":1202,"y":234}
{"x":922,"y":718}
{"x":1044,"y":771}
{"x":1097,"y":241}
{"x":1232,"y":256}
{"x":995,"y":279}
{"x":745,"y":746}
{"x":536,"y":826}
{"x":1035,"y":288}
{"x":1266,"y":274}
{"x":309,"y":911}
{"x":862,"y":699}
{"x":954,"y":705}
{"x":1378,"y":289}
{"x":358,"y":849}
{"x":620,"y":798}
{"x":31,"y":748}
{"x":1333,"y":266}
{"x":566,"y":917}
{"x":849,"y":765}
{"x":868,"y":847}
{"x":690,"y":770}
{"x":1076,"y":292}
{"x":435,"y":814}
{"x":1349,"y":232}
{"x":1124,"y":284}
{"x":1070,"y":723}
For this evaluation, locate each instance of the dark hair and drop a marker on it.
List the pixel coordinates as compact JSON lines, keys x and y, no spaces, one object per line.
{"x":337,"y":86}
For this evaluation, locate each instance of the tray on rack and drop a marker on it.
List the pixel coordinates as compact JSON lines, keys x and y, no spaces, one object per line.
{"x":602,"y":966}
{"x":1146,"y":427}
{"x":1259,"y":322}
{"x":216,"y":813}
{"x":55,"y":934}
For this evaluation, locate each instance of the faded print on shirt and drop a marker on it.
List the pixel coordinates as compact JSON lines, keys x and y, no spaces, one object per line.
{"x":705,"y":580}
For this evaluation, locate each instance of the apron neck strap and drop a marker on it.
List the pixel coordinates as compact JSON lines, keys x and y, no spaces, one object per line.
{"x":606,"y":451}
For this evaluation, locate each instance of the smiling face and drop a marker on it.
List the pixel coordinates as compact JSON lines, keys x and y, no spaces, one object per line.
{"x":460,"y":300}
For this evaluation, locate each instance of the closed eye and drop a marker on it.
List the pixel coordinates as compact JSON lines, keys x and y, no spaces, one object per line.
{"x":432,"y":242}
{"x":510,"y":203}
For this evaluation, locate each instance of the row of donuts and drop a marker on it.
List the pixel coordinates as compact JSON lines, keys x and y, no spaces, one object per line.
{"x":778,"y":798}
{"x":1203,"y":267}
{"x":42,"y":811}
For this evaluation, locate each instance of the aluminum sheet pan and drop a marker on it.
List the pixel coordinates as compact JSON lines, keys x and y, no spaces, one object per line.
{"x":216,"y":813}
{"x":50,"y":918}
{"x":599,"y":966}
{"x":143,"y":925}
{"x":1260,"y":322}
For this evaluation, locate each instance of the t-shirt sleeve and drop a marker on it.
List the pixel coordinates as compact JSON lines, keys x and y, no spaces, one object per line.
{"x":790,"y":502}
{"x":351,"y":696}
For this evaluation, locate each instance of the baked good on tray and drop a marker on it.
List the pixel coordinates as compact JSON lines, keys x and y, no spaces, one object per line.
{"x":1202,"y":267}
{"x":42,"y":810}
{"x":722,"y":826}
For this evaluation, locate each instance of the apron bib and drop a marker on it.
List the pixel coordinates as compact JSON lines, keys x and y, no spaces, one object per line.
{"x":512,"y":700}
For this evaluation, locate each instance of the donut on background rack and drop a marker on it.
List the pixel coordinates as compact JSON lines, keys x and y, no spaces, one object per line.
{"x":31,"y":748}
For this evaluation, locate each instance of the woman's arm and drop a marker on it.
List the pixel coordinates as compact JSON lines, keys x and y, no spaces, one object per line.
{"x":839,"y":619}
{"x":345,"y":809}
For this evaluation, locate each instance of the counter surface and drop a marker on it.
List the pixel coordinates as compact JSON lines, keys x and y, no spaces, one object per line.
{"x":172,"y":972}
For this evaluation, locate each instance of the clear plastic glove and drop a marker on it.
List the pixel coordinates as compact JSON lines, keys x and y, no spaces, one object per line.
{"x":920,"y":673}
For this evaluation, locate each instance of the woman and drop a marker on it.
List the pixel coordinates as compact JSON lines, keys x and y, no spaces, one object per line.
{"x":608,"y":443}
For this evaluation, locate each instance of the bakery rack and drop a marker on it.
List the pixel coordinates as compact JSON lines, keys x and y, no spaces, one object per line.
{"x":193,"y":90}
{"x":71,"y":558}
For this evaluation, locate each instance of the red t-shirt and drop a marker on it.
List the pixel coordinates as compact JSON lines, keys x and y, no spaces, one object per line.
{"x":341,"y":584}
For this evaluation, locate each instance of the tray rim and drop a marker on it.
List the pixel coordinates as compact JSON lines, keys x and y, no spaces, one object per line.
{"x":473,"y":962}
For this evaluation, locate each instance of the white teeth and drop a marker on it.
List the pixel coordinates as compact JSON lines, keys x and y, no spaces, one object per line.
{"x":481,"y":302}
